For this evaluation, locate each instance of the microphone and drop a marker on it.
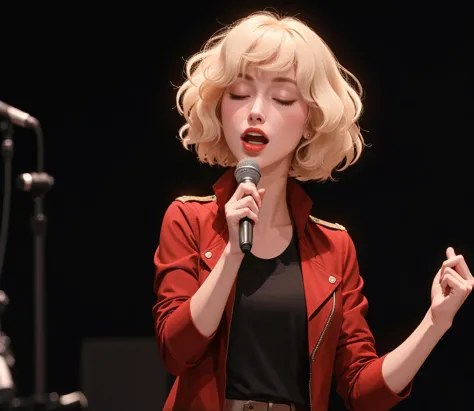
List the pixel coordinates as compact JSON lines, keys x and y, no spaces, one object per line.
{"x":247,"y":171}
{"x":37,"y":183}
{"x":18,"y":117}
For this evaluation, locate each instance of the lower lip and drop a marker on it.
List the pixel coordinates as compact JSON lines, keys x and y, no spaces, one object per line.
{"x":253,"y":148}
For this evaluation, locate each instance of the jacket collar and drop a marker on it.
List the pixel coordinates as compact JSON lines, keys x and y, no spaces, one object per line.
{"x":299,"y":203}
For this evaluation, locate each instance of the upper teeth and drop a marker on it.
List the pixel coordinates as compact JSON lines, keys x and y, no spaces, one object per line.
{"x":255,"y":134}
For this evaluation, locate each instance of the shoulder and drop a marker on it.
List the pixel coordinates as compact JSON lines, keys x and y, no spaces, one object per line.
{"x":333,"y":226}
{"x":191,"y":207}
{"x":196,"y":199}
{"x":337,"y":234}
{"x":184,"y":212}
{"x":196,"y":204}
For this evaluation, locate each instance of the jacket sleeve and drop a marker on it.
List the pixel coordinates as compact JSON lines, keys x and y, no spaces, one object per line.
{"x":358,"y":368}
{"x":176,"y":279}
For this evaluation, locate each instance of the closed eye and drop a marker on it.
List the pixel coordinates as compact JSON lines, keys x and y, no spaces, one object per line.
{"x":279,"y":101}
{"x":236,"y":96}
{"x":284,"y":102}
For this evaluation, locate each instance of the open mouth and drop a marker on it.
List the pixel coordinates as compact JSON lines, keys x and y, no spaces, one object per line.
{"x":255,"y":138}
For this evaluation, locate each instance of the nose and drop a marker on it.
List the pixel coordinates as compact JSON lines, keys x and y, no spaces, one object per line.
{"x":256,"y":114}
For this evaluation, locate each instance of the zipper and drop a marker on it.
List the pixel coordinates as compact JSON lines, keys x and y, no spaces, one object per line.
{"x":319,"y":343}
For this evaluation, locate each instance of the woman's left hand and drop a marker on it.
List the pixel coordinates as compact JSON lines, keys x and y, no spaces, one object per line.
{"x":451,"y":286}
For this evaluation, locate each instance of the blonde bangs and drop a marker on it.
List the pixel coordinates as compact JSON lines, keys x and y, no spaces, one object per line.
{"x":266,"y":46}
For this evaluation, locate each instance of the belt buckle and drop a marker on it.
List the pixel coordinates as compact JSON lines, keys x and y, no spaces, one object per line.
{"x":252,"y":405}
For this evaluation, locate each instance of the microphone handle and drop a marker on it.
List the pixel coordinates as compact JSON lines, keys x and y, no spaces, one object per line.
{"x":246,"y":234}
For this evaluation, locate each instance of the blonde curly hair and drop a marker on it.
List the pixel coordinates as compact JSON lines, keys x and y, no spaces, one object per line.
{"x":333,"y":140}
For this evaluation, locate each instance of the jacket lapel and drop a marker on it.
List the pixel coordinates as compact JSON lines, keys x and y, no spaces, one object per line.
{"x":319,"y":284}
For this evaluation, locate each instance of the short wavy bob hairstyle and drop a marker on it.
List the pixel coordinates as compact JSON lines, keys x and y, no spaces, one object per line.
{"x":333,"y":140}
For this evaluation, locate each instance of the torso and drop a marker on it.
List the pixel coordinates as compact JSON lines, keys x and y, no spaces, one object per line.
{"x":267,"y":356}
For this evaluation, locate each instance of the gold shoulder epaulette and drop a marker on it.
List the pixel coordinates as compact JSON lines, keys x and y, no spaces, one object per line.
{"x":204,"y":199}
{"x":336,"y":226}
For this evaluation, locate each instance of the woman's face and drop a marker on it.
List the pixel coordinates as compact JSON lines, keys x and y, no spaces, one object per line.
{"x":264,"y":116}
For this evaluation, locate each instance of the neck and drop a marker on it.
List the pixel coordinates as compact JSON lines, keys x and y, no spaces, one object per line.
{"x":274,"y":211}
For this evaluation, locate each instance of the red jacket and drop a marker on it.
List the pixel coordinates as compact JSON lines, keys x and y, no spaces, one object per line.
{"x":193,"y":237}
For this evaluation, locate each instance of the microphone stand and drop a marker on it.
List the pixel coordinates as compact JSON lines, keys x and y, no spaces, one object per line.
{"x":38,"y":225}
{"x":38,"y":229}
{"x":38,"y":183}
{"x":7,"y":386}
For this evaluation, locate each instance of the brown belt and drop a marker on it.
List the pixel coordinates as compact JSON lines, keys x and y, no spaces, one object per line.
{"x":239,"y":405}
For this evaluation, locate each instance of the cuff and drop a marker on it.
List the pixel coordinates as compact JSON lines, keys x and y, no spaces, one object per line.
{"x":376,"y":391}
{"x":185,"y":342}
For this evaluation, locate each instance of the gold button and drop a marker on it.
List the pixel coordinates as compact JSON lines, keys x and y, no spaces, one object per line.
{"x":208,"y":254}
{"x":332,"y":279}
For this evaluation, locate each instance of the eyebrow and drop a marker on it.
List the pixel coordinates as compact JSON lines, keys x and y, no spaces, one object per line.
{"x":274,"y":80}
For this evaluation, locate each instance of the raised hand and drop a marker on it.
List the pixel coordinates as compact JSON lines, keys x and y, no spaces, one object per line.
{"x":451,"y":286}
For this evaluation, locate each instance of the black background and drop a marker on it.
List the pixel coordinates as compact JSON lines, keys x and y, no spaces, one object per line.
{"x":101,"y":81}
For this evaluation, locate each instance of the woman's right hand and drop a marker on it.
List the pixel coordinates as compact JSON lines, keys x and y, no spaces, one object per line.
{"x":246,"y":202}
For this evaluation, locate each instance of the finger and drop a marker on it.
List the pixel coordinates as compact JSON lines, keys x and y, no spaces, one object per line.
{"x":450,"y":263}
{"x":456,"y":282}
{"x":464,"y":269}
{"x":460,"y":265}
{"x":448,"y":284}
{"x":237,"y":215}
{"x":450,"y":253}
{"x":245,"y":189}
{"x":245,"y":202}
{"x":453,"y":283}
{"x":455,"y":275}
{"x":446,"y":267}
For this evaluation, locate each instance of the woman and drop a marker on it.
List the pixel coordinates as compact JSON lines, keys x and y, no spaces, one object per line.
{"x":268,"y":329}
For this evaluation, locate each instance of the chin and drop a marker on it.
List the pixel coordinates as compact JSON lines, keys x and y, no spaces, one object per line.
{"x":268,"y":164}
{"x":241,"y":154}
{"x":266,"y":160}
{"x":283,"y":163}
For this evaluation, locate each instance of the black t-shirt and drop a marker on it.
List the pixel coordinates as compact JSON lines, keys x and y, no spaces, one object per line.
{"x":268,"y":356}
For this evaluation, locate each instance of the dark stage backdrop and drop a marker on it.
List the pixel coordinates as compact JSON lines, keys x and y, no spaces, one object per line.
{"x":101,"y":81}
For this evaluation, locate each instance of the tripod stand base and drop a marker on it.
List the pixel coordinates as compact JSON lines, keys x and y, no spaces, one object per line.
{"x":48,"y":402}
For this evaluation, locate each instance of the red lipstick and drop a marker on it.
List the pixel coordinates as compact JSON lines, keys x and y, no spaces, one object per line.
{"x":254,"y":140}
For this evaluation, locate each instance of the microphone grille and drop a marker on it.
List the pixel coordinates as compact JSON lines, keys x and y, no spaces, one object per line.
{"x":247,"y":169}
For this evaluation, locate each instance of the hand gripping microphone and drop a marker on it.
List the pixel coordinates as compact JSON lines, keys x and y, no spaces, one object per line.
{"x":247,"y":171}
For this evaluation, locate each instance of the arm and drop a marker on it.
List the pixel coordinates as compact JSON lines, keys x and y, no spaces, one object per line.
{"x":186,"y":314}
{"x":358,"y":368}
{"x":208,"y":303}
{"x":401,"y":365}
{"x":451,"y":286}
{"x":365,"y":380}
